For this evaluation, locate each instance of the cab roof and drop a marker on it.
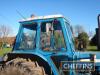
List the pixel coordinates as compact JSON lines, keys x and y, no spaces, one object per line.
{"x":42,"y":17}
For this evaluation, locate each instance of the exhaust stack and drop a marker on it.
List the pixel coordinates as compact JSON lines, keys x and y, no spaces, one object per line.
{"x":98,"y":33}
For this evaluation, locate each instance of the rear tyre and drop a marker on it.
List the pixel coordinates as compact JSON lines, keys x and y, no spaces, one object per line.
{"x":20,"y":66}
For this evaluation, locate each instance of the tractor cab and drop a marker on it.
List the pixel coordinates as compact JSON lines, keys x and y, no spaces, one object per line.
{"x":46,"y":33}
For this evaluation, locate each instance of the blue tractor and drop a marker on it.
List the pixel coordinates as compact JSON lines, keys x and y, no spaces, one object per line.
{"x":48,"y":40}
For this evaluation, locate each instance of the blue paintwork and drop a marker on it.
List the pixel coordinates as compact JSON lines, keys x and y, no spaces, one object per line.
{"x":70,"y":50}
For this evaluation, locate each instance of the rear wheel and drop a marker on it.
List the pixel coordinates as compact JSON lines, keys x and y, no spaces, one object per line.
{"x":20,"y":66}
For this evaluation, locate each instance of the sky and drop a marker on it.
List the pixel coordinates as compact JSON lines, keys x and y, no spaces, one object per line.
{"x":78,"y":12}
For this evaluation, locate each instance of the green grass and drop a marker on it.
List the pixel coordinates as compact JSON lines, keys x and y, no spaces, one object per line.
{"x":5,"y":50}
{"x":92,"y":48}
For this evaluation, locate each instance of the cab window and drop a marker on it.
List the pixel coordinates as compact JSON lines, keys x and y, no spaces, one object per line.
{"x":52,"y":38}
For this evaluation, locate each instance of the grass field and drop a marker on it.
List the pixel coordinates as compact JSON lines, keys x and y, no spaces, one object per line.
{"x":92,"y":48}
{"x":5,"y":50}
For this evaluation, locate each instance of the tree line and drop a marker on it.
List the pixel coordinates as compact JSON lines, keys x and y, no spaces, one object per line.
{"x":5,"y":32}
{"x":82,"y":38}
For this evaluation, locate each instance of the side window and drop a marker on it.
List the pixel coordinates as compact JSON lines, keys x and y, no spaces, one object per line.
{"x":52,"y":38}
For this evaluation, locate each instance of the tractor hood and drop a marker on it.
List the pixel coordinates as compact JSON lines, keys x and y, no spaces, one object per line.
{"x":89,"y":56}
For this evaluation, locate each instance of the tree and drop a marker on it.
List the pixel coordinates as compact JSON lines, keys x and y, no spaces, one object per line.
{"x":84,"y":39}
{"x":91,"y":34}
{"x":93,"y":41}
{"x":4,"y":33}
{"x":78,"y":29}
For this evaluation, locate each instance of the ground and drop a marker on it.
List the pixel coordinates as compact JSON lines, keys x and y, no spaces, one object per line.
{"x":92,"y":48}
{"x":5,"y":50}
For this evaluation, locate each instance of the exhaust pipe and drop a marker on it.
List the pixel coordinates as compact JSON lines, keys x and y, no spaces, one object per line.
{"x":98,"y":33}
{"x":99,"y":21}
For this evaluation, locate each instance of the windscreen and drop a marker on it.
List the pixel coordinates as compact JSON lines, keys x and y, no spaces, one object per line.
{"x":27,"y":37}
